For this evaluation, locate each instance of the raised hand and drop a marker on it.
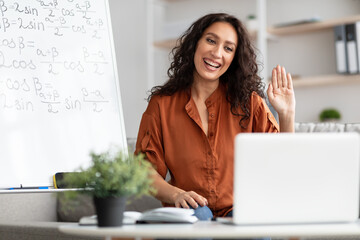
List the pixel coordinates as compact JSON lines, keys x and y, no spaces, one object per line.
{"x":281,"y":96}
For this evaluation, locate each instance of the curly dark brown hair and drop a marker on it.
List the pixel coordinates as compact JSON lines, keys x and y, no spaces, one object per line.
{"x":241,"y":78}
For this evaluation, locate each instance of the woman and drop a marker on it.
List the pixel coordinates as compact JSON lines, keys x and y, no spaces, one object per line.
{"x":213,"y":93}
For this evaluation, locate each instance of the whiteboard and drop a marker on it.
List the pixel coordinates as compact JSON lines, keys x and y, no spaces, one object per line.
{"x":59,"y":89}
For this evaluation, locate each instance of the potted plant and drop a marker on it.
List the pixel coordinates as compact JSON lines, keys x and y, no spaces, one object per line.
{"x":330,"y":115}
{"x":110,"y":179}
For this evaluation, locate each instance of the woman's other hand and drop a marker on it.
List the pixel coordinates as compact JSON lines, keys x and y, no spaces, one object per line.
{"x":173,"y":195}
{"x":184,"y":199}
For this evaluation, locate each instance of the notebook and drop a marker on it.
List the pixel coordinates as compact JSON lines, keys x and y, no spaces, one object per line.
{"x":296,"y":178}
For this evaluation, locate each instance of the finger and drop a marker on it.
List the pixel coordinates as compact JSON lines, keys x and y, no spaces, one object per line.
{"x":200,"y":199}
{"x":270,"y":91}
{"x":279,"y":78}
{"x":274,"y":76}
{"x":191,"y":201}
{"x":184,"y":204}
{"x":284,"y":80}
{"x":290,"y":83}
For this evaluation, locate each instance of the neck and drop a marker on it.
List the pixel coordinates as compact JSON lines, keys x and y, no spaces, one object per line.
{"x":201,"y":90}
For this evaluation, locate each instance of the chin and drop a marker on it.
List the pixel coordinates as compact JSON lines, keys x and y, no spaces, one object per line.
{"x":211,"y":78}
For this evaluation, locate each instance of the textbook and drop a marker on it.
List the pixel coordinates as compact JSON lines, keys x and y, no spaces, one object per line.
{"x":157,"y":215}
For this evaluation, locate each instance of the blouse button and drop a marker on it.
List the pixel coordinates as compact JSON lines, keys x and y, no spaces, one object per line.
{"x":209,"y":152}
{"x":211,"y":134}
{"x":212,"y":115}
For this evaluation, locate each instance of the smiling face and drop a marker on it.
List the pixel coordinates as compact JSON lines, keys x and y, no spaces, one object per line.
{"x":215,"y":51}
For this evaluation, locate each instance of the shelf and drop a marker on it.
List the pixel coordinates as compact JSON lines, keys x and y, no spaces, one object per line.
{"x":326,"y":80}
{"x":168,"y":44}
{"x":312,"y":27}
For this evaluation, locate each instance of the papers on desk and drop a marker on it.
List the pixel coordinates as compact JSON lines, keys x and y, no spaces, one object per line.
{"x":88,"y":220}
{"x":168,"y":215}
{"x":157,"y":215}
{"x":130,"y":217}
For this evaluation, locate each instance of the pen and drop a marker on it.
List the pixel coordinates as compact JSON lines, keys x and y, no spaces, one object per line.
{"x":24,"y":188}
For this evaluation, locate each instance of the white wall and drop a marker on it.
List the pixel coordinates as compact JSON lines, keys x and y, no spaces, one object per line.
{"x":129,"y":28}
{"x":312,"y":100}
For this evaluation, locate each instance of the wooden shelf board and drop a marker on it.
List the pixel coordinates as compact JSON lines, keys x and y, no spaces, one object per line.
{"x":311,"y":27}
{"x":169,"y":43}
{"x":326,"y":80}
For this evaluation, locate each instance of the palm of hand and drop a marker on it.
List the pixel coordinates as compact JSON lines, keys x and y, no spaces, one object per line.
{"x":280,"y":92}
{"x":282,"y":99}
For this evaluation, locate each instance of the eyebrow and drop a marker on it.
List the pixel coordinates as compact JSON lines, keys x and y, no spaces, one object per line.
{"x":217,"y":37}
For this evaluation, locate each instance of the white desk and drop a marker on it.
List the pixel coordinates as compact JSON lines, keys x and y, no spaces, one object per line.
{"x":216,"y":230}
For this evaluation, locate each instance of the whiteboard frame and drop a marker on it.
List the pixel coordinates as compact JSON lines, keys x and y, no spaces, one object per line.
{"x":117,"y":80}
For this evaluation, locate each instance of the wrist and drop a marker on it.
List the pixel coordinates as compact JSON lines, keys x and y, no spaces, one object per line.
{"x":287,"y":122}
{"x":287,"y":117}
{"x":288,"y":114}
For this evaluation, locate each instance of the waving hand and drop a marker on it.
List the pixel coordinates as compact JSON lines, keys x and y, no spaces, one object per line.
{"x":282,"y":98}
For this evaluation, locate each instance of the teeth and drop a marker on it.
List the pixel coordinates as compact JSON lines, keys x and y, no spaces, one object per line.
{"x":212,"y":64}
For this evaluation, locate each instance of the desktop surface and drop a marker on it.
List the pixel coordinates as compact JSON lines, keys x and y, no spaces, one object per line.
{"x":216,"y":230}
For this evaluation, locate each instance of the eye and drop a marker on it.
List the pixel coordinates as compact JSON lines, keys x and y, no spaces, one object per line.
{"x":209,"y":40}
{"x":229,"y":49}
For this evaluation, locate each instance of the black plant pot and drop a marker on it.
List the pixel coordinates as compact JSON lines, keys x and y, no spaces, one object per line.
{"x":110,"y":211}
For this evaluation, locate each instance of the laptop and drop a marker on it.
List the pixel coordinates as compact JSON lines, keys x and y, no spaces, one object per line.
{"x":297,"y":178}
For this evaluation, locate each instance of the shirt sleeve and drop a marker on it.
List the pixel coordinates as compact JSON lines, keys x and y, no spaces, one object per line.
{"x":149,"y":140}
{"x":264,"y":120}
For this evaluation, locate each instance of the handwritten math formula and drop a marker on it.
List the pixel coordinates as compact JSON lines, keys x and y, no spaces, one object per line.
{"x":55,"y":57}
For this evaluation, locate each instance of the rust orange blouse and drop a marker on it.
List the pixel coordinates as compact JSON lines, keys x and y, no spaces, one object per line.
{"x":171,"y":136}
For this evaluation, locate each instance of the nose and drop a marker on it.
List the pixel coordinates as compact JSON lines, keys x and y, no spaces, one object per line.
{"x":216,"y":51}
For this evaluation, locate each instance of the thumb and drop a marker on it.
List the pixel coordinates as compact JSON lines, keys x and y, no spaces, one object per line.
{"x":270,"y":91}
